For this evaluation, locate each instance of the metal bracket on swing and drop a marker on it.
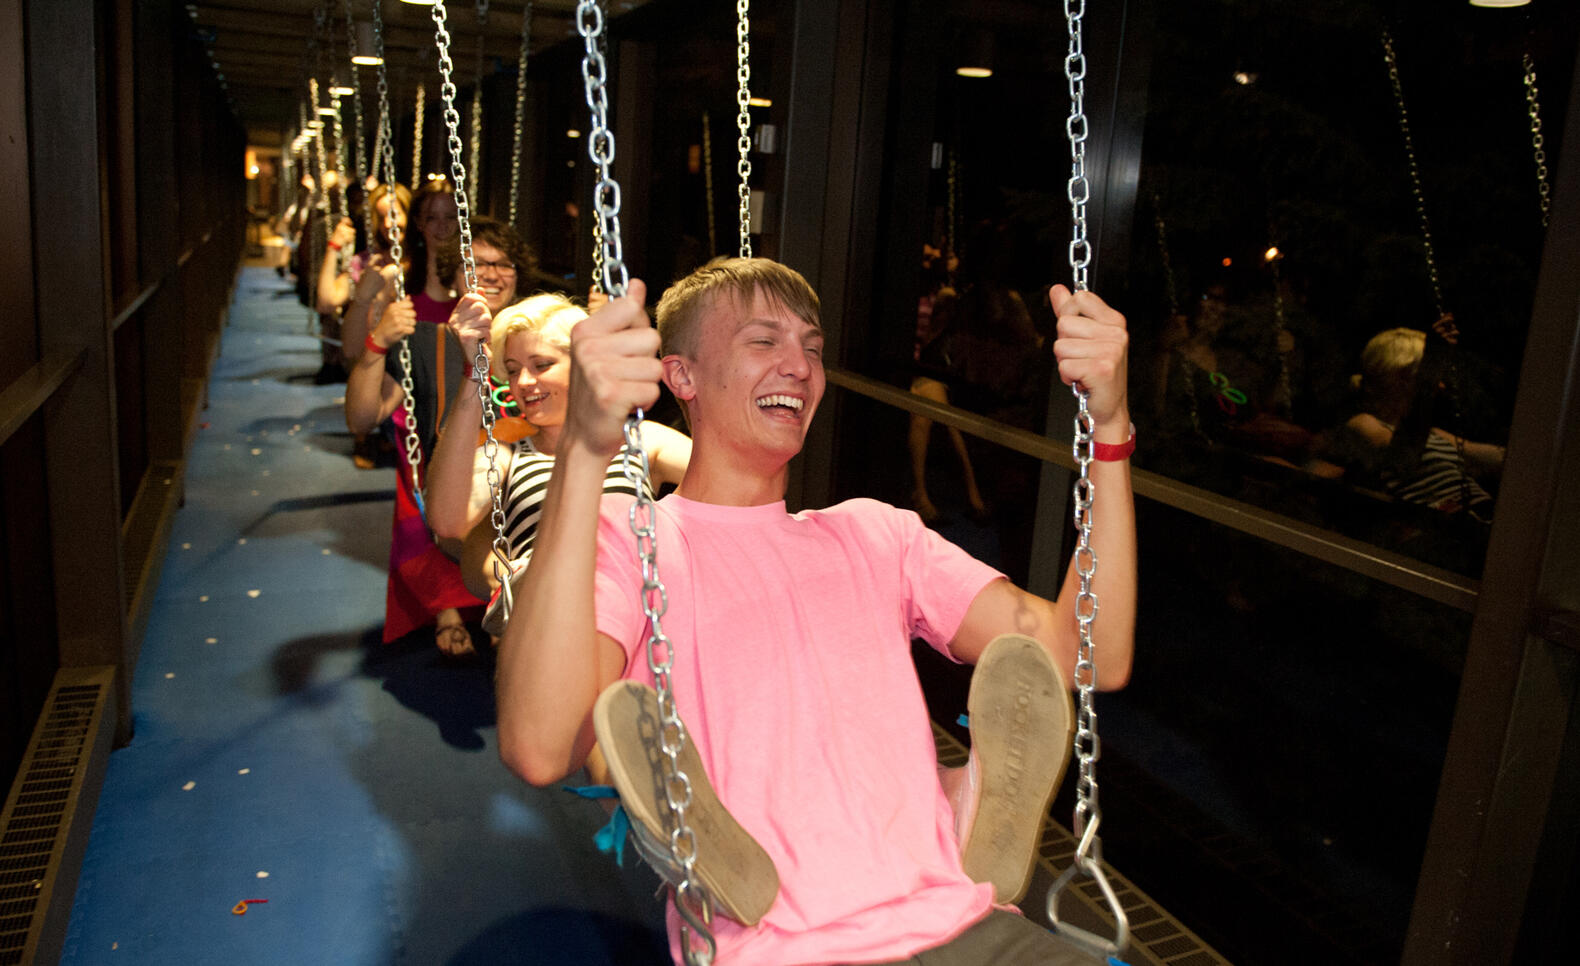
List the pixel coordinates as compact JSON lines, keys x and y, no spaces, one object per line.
{"x":1088,"y":861}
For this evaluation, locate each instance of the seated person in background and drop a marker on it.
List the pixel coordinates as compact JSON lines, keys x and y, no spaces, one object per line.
{"x":530,"y":349}
{"x":1390,"y":442}
{"x":425,"y":583}
{"x":793,"y":633}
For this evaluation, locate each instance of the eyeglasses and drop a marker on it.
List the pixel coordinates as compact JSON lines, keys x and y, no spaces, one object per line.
{"x":503,"y":268}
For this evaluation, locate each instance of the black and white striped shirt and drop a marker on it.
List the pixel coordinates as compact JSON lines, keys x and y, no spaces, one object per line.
{"x":527,"y":481}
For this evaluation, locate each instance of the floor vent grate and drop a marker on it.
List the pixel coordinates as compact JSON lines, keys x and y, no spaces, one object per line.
{"x":1154,"y":934}
{"x":31,"y":825}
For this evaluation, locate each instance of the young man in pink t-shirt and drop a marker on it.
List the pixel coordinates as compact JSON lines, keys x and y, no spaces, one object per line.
{"x":791,"y":635}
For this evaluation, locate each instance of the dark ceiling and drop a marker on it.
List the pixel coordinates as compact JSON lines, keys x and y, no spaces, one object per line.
{"x":265,"y":50}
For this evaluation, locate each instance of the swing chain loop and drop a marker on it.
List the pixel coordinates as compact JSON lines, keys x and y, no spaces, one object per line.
{"x":611,"y":275}
{"x":691,"y":899}
{"x":1086,"y":749}
{"x":1415,"y":170}
{"x":416,"y":138}
{"x":743,"y":120}
{"x":452,"y":123}
{"x":475,"y":148}
{"x":1542,"y":187}
{"x":521,"y":112}
{"x":413,"y":443}
{"x":361,"y":160}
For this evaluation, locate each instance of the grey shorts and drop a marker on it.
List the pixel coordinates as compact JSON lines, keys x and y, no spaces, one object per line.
{"x":1001,"y":938}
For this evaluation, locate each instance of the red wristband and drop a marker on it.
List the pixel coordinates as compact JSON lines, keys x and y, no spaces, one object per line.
{"x":374,"y":347}
{"x":1115,"y":452}
{"x":335,"y":245}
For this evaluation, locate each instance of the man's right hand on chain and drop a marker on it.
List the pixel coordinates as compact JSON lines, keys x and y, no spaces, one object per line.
{"x":614,"y":370}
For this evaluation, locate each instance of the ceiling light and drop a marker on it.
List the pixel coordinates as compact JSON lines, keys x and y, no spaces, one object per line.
{"x":419,"y":3}
{"x":1499,"y":3}
{"x":976,"y":54}
{"x":573,"y":133}
{"x":760,"y":102}
{"x":343,"y":91}
{"x":367,"y":46}
{"x":1244,"y":77}
{"x":327,"y":111}
{"x":1272,"y":254}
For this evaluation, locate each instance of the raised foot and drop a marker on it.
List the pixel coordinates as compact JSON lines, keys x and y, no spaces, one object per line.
{"x":1021,"y":727}
{"x":737,"y":874}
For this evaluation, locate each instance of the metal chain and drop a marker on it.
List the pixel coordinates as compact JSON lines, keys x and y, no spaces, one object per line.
{"x":598,"y":226}
{"x":413,"y":442}
{"x":416,"y":139}
{"x":949,"y":228}
{"x":1169,"y":289}
{"x":1431,"y":256}
{"x":452,"y":121}
{"x":691,"y":898}
{"x":521,"y":113}
{"x":340,"y":160}
{"x":1415,"y":171}
{"x":1087,"y":748}
{"x":363,"y":168}
{"x":452,"y":124}
{"x":1543,"y":189}
{"x":707,"y":183}
{"x":743,"y":120}
{"x":475,"y":149}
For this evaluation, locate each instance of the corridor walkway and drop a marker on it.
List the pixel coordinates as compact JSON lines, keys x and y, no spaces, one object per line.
{"x":282,"y":754}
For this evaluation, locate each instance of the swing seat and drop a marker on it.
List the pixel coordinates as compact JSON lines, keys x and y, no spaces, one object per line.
{"x":738,"y":875}
{"x":1021,"y":723}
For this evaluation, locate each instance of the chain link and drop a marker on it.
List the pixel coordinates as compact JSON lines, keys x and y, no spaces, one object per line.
{"x":521,"y":113}
{"x":463,"y":212}
{"x":1431,"y":255}
{"x":362,"y":166}
{"x":707,"y":183}
{"x":416,"y":139}
{"x":475,"y":149}
{"x":452,"y":124}
{"x":1544,"y":190}
{"x":743,"y":120}
{"x":413,"y":442}
{"x":691,"y":899}
{"x":1415,"y":171}
{"x":1087,"y":748}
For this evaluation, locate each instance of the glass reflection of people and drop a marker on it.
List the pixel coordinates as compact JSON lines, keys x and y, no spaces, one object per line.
{"x":1391,"y":441}
{"x":984,"y":355}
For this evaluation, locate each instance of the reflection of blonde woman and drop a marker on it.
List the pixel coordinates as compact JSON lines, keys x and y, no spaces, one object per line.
{"x":530,"y":349}
{"x":1442,"y":473}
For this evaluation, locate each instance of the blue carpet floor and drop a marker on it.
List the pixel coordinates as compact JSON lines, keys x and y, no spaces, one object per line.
{"x":282,"y":753}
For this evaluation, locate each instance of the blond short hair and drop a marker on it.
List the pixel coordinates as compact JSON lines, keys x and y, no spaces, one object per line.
{"x":550,"y":315}
{"x":684,"y":304}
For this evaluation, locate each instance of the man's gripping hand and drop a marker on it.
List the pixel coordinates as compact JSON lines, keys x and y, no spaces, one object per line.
{"x":614,"y":369}
{"x":1092,"y":349}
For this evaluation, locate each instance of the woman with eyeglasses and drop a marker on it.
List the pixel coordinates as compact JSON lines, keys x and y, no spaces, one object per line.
{"x":425,"y":586}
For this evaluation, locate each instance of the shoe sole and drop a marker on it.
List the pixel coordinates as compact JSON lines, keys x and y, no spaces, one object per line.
{"x":1021,"y":727}
{"x":738,"y":875}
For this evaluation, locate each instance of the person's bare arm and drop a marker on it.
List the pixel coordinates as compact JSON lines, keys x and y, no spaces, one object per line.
{"x":334,"y":285}
{"x":371,"y":395}
{"x":553,"y":661}
{"x":453,"y":509}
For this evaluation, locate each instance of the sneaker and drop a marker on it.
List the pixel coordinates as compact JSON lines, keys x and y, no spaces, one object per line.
{"x":1021,"y":723}
{"x":738,"y":875}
